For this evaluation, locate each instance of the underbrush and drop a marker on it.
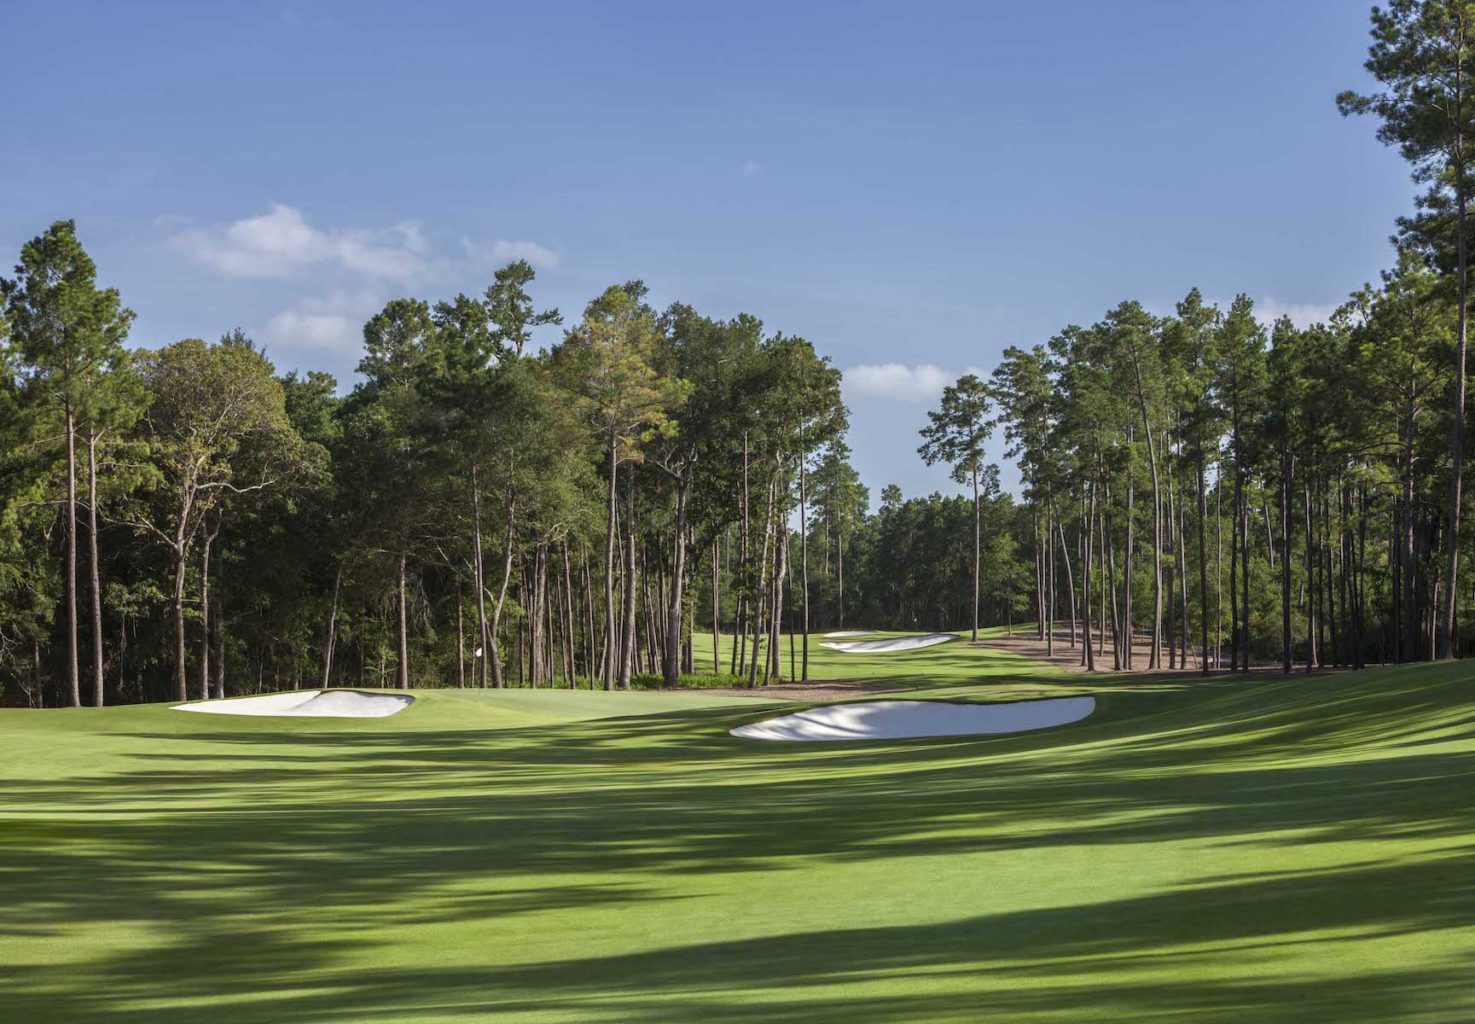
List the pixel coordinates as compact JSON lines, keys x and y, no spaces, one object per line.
{"x":696,"y":681}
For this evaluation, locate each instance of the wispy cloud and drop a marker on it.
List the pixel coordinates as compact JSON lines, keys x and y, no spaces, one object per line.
{"x":281,"y":242}
{"x":505,"y":250}
{"x":331,"y":324}
{"x":922,"y":382}
{"x":1302,"y":314}
{"x":751,"y":168}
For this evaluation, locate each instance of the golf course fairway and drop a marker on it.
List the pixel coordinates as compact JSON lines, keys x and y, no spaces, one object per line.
{"x":1277,"y":850}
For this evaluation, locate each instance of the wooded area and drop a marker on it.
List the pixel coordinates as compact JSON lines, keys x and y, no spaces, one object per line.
{"x":187,"y":521}
{"x":1297,"y":489}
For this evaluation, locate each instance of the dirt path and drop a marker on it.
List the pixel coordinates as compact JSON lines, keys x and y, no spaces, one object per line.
{"x":1069,"y":658}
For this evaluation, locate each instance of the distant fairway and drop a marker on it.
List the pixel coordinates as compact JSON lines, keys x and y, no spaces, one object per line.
{"x":1226,"y":851}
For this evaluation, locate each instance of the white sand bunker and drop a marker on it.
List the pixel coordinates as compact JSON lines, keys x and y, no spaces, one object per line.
{"x":307,"y":704}
{"x":896,"y":643}
{"x":848,"y":632}
{"x":907,"y":719}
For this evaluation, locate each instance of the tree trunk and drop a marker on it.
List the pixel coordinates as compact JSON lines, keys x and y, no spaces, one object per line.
{"x":1361,"y":606}
{"x":1169,"y":549}
{"x":402,"y":669}
{"x":1202,"y":530}
{"x":607,"y":670}
{"x":1311,"y":625}
{"x":1101,"y":553}
{"x":219,"y":648}
{"x":74,"y":692}
{"x":1183,"y":633}
{"x":670,"y":660}
{"x":740,"y":632}
{"x":627,"y":631}
{"x":840,"y":571}
{"x":1285,"y":559}
{"x":460,"y":635}
{"x":1154,"y":655}
{"x":1128,"y":566}
{"x":1070,"y":580}
{"x":205,"y":613}
{"x":1088,"y":653}
{"x":181,"y":680}
{"x":330,"y":636}
{"x":1218,"y":563}
{"x":544,"y":647}
{"x":94,"y":568}
{"x":761,"y":604}
{"x":1457,"y":433}
{"x":570,"y":615}
{"x":1116,"y":630}
{"x":789,"y":602}
{"x":774,"y":669}
{"x":493,"y":652}
{"x":716,"y":608}
{"x":977,"y":555}
{"x":804,"y":564}
{"x":1049,"y":559}
{"x":1244,"y":578}
{"x":1234,"y":574}
{"x":533,"y":600}
{"x":482,"y":655}
{"x":1410,"y":639}
{"x":591,"y":656}
{"x":1039,"y":553}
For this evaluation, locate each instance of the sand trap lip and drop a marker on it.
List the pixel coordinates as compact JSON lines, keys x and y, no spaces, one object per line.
{"x":840,"y":635}
{"x":911,"y":719}
{"x":306,"y":704}
{"x":896,"y":643}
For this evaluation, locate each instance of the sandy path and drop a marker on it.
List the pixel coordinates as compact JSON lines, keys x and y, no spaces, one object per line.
{"x":1069,"y":658}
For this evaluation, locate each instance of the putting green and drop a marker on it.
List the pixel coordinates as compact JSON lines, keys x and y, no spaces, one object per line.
{"x":1278,"y":851}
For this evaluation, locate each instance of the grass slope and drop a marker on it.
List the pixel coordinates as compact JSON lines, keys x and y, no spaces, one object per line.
{"x":1244,"y":851}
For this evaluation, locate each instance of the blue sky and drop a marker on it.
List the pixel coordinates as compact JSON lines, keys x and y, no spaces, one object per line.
{"x":913,"y":187}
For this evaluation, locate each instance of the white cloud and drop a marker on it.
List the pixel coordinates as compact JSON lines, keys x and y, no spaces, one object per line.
{"x":751,"y":168}
{"x":281,"y":242}
{"x":1303,"y":314}
{"x":331,"y":324}
{"x":504,"y":250}
{"x":920,"y":383}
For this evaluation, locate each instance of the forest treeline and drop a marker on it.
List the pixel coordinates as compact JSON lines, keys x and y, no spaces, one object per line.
{"x":186,"y":521}
{"x":1237,"y":493}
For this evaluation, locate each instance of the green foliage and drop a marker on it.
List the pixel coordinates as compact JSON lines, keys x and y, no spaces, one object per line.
{"x":607,"y":362}
{"x":510,"y":309}
{"x":67,"y":332}
{"x":690,"y":681}
{"x":1423,"y":54}
{"x":959,"y":429}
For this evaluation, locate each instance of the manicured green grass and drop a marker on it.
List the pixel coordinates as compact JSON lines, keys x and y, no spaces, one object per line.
{"x":1274,"y":851}
{"x":932,"y":666}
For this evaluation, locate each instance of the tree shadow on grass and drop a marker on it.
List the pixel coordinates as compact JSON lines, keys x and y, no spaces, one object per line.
{"x":1130,"y":959}
{"x":219,"y":850}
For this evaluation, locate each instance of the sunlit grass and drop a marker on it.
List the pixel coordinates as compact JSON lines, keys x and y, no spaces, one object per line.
{"x":1277,"y":851}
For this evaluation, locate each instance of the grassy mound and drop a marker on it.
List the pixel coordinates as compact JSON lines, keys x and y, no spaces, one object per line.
{"x":1278,"y":851}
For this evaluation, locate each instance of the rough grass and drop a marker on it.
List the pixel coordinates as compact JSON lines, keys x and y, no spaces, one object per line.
{"x":1227,"y":851}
